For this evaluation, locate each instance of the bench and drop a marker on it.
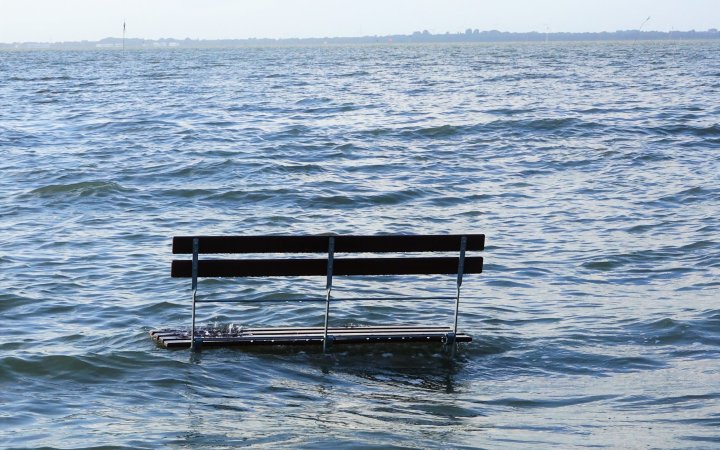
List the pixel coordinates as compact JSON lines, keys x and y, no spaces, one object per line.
{"x":329,"y":267}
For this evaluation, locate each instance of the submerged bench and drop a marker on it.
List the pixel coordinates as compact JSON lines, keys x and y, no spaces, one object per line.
{"x":329,"y":267}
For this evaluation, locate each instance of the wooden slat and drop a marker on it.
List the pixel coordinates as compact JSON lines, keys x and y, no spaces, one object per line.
{"x":319,"y":244}
{"x":368,"y":329}
{"x":306,"y":331}
{"x":314,"y":267}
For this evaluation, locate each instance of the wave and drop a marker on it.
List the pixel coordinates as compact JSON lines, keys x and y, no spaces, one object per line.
{"x":81,"y":189}
{"x":568,"y":126}
{"x":43,"y":78}
{"x":698,"y":131}
{"x":691,"y":195}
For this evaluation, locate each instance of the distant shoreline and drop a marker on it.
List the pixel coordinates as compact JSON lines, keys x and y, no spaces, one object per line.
{"x":418,"y":37}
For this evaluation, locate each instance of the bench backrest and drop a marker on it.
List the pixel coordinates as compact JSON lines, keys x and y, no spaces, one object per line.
{"x":328,"y":266}
{"x":410,"y":265}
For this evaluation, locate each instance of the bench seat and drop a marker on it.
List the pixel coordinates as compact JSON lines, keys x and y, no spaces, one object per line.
{"x":308,"y":336}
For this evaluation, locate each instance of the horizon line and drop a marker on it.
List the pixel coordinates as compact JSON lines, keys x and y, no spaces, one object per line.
{"x":424,"y":33}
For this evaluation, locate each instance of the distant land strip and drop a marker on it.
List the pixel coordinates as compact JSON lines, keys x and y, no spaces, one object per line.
{"x":470,"y":35}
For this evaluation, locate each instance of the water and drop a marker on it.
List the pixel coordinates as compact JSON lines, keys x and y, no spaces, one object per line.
{"x":593,"y":170}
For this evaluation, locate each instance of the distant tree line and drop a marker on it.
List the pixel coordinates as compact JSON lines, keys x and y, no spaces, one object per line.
{"x":470,"y":35}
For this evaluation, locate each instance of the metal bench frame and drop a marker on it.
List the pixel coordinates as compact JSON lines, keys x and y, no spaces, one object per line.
{"x":196,"y":268}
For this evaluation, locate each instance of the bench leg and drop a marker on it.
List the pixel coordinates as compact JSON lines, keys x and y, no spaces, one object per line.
{"x":328,"y":287}
{"x":194,"y":343}
{"x":196,"y":248}
{"x":326,"y":341}
{"x":449,"y":341}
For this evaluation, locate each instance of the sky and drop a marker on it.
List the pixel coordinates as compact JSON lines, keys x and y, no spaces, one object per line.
{"x":75,"y":20}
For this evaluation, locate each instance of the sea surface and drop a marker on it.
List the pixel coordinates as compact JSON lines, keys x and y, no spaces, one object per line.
{"x":593,"y":169}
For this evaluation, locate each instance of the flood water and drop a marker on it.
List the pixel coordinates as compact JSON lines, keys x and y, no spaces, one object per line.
{"x":592,"y":168}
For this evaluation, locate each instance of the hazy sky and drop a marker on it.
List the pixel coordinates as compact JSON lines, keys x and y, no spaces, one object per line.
{"x":71,"y":20}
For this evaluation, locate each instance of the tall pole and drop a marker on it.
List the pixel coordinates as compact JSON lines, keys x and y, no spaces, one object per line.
{"x":123,"y":42}
{"x":641,"y":27}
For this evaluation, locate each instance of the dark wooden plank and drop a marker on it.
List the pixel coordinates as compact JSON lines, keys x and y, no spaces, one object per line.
{"x":252,"y":244}
{"x":318,"y":267}
{"x":319,"y":244}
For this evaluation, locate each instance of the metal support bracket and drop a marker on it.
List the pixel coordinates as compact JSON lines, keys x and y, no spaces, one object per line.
{"x":448,"y":339}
